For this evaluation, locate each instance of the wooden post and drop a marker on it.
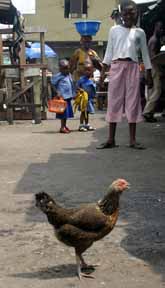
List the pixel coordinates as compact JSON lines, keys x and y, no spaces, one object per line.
{"x":9,"y":115}
{"x":44,"y":78}
{"x":22,"y":67}
{"x":1,"y":50}
{"x":22,"y":62}
{"x":1,"y":63}
{"x":22,"y":70}
{"x":37,"y":99}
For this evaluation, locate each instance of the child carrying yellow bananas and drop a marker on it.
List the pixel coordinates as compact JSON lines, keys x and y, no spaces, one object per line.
{"x":85,"y":97}
{"x":81,"y":101}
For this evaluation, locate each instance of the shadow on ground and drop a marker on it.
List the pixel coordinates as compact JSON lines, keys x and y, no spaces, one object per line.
{"x":78,"y":175}
{"x":46,"y":273}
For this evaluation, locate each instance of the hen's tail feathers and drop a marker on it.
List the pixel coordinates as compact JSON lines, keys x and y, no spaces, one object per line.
{"x":44,"y":201}
{"x":43,"y":196}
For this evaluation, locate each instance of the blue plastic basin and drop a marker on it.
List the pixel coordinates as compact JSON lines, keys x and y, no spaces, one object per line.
{"x":90,"y":27}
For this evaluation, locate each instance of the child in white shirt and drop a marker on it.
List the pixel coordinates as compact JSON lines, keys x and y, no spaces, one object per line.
{"x":124,"y":43}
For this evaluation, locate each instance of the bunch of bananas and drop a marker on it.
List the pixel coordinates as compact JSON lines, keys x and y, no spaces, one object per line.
{"x":81,"y":100}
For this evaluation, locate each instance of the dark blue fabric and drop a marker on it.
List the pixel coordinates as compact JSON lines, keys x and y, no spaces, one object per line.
{"x":68,"y":111}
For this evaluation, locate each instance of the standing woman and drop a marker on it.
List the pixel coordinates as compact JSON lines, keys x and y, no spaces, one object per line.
{"x":124,"y":43}
{"x":83,"y":55}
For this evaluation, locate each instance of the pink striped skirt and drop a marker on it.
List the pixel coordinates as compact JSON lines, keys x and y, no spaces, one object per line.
{"x":124,"y":92}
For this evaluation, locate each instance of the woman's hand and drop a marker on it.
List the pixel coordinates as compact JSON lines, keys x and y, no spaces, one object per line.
{"x":101,"y":81}
{"x":102,"y":76}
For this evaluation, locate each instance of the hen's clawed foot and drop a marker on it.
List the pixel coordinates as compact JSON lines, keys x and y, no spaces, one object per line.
{"x":85,"y":275}
{"x":86,"y":267}
{"x":87,"y":270}
{"x":83,"y":269}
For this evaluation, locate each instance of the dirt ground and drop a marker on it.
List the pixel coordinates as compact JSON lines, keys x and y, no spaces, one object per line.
{"x":35,"y":158}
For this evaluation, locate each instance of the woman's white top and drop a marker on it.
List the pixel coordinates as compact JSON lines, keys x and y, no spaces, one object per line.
{"x":126,"y":43}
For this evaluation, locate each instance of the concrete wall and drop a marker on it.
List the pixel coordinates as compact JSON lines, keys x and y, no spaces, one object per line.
{"x":50,"y":14}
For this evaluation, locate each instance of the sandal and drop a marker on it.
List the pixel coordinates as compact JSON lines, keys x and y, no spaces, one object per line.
{"x":89,"y":128}
{"x":107,"y":145}
{"x":67,"y":129}
{"x":137,"y":146}
{"x":82,"y":129}
{"x":64,"y":130}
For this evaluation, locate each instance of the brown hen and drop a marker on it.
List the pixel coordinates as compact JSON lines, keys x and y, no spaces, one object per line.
{"x":82,"y":226}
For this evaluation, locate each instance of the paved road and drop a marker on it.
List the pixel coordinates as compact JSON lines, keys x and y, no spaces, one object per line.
{"x":37,"y":157}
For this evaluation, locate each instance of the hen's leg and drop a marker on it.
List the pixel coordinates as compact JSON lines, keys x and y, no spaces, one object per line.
{"x":85,"y":266}
{"x":79,"y":262}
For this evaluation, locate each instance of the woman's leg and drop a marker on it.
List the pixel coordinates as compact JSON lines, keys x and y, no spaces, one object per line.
{"x":112,"y":133}
{"x":111,"y":137}
{"x":132,"y":133}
